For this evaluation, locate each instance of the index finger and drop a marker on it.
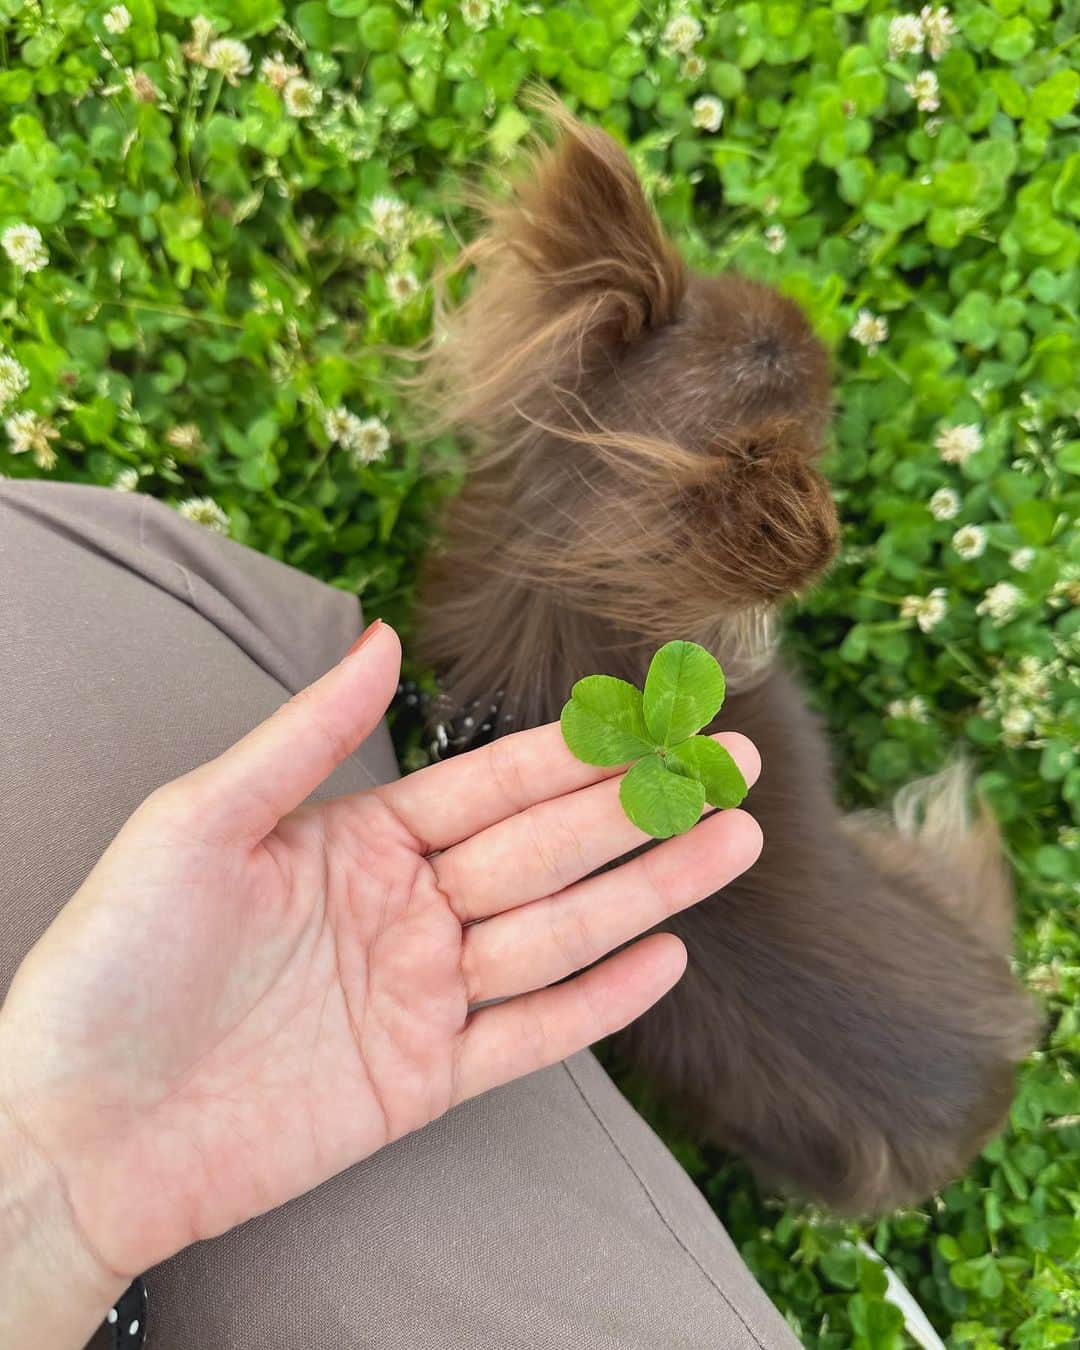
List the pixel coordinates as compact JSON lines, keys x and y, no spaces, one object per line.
{"x":448,"y":802}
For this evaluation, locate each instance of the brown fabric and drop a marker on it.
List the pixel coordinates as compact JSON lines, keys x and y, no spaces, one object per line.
{"x":547,"y":1214}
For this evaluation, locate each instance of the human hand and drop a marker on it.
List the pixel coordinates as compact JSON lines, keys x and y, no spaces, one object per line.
{"x":248,"y":994}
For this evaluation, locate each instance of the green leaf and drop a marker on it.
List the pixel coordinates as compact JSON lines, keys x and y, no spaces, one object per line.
{"x":1055,"y":97}
{"x":1014,"y":39}
{"x":709,"y":764}
{"x":378,"y":28}
{"x":314,"y":24}
{"x":16,"y":86}
{"x":1034,"y":521}
{"x":508,"y":128}
{"x":658,"y":801}
{"x":684,"y":690}
{"x":840,"y":1264}
{"x":602,"y":721}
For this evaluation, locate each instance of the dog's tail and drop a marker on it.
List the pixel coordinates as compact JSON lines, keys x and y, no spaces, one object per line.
{"x":934,"y":836}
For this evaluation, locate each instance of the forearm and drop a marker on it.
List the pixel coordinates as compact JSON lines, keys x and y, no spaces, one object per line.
{"x":53,"y":1293}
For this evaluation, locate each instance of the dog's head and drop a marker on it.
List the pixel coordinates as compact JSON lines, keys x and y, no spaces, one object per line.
{"x":646,"y":437}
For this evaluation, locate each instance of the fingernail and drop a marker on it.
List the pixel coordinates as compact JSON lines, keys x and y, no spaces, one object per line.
{"x":369,"y":632}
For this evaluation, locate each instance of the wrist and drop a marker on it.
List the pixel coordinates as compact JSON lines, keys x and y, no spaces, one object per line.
{"x":54,"y":1290}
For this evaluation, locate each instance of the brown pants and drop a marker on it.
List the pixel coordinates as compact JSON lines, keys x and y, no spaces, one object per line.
{"x":134,"y":646}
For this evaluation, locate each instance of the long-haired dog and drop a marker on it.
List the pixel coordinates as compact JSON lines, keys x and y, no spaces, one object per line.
{"x":644,"y":445}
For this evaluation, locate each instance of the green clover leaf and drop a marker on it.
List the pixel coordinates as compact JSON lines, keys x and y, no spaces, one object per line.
{"x":658,"y":801}
{"x":603,"y":721}
{"x":709,"y":764}
{"x":684,"y":690}
{"x":673,"y":772}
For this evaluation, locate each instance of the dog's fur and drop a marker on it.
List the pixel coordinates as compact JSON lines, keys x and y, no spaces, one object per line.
{"x":644,"y":469}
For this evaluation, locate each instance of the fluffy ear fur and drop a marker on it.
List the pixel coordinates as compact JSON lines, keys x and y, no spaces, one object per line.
{"x":573,"y":265}
{"x":644,"y":445}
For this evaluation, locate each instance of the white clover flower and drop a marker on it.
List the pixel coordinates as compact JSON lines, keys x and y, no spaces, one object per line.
{"x":117,"y":20}
{"x":1031,"y":677}
{"x":142,"y":86}
{"x":682,"y":34}
{"x":938,"y":27}
{"x":339,"y":423}
{"x":708,"y":113}
{"x":970,"y":541}
{"x":19,"y":427}
{"x":184,"y":436}
{"x":870,"y":330}
{"x":906,"y":36}
{"x":401,"y":287}
{"x":1001,"y":602}
{"x":389,"y":216}
{"x":369,"y":441}
{"x":364,"y":439}
{"x":197,"y":46}
{"x":958,"y":444}
{"x":230,"y":57}
{"x":277,"y":72}
{"x":475,"y":12}
{"x":1066,"y":590}
{"x":1021,"y":559}
{"x":206,"y":512}
{"x":912,"y":709}
{"x":1016,"y":722}
{"x":127,"y":480}
{"x":301,"y":97}
{"x":693,"y":67}
{"x":14,"y":378}
{"x":31,"y":433}
{"x":927,"y":610}
{"x":945,"y":504}
{"x":775,"y":238}
{"x":25,"y":247}
{"x":924,"y":90}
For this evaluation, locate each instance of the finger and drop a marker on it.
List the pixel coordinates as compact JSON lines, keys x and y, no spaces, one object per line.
{"x":243,"y":793}
{"x":447,"y":802}
{"x":542,"y":850}
{"x":548,"y":940}
{"x":541,"y":1028}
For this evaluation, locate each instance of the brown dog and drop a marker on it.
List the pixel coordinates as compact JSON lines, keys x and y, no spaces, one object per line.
{"x":644,"y":469}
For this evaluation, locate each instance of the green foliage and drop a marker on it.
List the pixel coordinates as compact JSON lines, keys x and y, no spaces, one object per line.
{"x":709,"y":764}
{"x":658,"y":801}
{"x":230,"y":264}
{"x":674,"y":772}
{"x":603,"y":721}
{"x":684,"y":690}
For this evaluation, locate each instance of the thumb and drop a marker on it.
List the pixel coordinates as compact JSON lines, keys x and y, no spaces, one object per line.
{"x":243,"y":793}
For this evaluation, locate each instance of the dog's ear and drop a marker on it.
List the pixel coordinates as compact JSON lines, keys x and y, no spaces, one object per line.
{"x":572,"y":265}
{"x":762,"y":512}
{"x":579,"y":224}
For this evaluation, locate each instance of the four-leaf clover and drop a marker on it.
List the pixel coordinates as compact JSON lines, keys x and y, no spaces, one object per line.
{"x":673,"y":771}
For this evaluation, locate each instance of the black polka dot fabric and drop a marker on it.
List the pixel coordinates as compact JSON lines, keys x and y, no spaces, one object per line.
{"x":126,"y":1320}
{"x":450,"y":730}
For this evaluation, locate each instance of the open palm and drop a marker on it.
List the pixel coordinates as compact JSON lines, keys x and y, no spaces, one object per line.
{"x":248,"y":994}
